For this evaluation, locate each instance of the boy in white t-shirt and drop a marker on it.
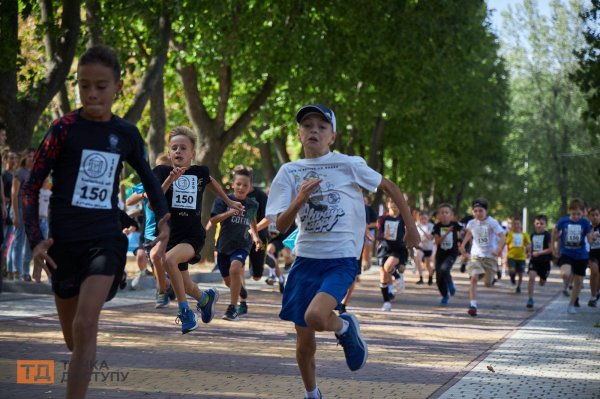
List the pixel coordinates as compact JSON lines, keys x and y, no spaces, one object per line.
{"x":322,"y":192}
{"x":488,"y":242}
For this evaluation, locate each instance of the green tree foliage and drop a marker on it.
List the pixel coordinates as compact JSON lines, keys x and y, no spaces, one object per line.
{"x":548,"y":145}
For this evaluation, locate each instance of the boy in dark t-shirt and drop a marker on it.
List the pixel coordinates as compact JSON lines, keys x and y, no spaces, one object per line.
{"x":445,"y":233}
{"x":541,"y":255}
{"x":392,"y":252}
{"x":184,"y":186}
{"x":238,"y":233}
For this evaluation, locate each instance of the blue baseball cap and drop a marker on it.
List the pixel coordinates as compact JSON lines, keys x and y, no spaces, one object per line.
{"x":319,"y":109}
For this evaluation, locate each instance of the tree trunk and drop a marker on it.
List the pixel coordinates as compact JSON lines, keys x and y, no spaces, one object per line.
{"x":376,"y":144}
{"x":158,"y":122}
{"x":266,"y":156}
{"x":21,"y":115}
{"x":281,"y":149}
{"x":92,"y":9}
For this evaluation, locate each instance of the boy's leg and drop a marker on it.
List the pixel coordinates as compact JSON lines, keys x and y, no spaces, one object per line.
{"x":531,"y":283}
{"x":306,"y":347}
{"x":236,"y":273}
{"x":159,"y":270}
{"x":85,"y":332}
{"x":66,"y":309}
{"x":594,"y":282}
{"x":319,"y":315}
{"x":577,"y":281}
{"x":178,"y":254}
{"x":565,"y":274}
{"x":191,"y":289}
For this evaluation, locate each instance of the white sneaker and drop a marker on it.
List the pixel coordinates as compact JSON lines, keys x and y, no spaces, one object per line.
{"x":401,"y":284}
{"x":135,"y":283}
{"x":571,"y":309}
{"x":387,"y":307}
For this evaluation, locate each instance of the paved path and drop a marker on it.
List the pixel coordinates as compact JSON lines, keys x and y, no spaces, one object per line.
{"x":419,"y":350}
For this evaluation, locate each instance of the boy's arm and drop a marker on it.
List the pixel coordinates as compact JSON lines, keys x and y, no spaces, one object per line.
{"x":263,"y":224}
{"x":553,"y":244}
{"x":254,"y":233}
{"x":500,"y":246}
{"x":218,"y":218}
{"x":134,"y":199}
{"x":216,"y":189}
{"x":465,"y":241}
{"x":175,"y":174}
{"x":411,"y":238}
{"x":286,"y":218}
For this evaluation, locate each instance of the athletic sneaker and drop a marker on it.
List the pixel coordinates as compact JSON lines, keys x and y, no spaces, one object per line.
{"x":207,"y":311}
{"x":530,"y":303}
{"x":571,"y":309}
{"x":513,"y":279}
{"x":281,"y":284}
{"x":319,"y":393}
{"x":452,"y":289}
{"x":463,"y":267}
{"x":444,"y":300}
{"x":499,"y":274}
{"x":593,"y":303}
{"x":566,"y":292}
{"x":518,"y":289}
{"x":171,"y":292}
{"x":269,"y":281}
{"x":242,"y":309}
{"x":387,"y":307}
{"x":188,"y":320}
{"x":135,"y":283}
{"x":430,"y":280}
{"x":231,"y":314}
{"x":472,"y":311}
{"x":420,"y":281}
{"x":577,"y":303}
{"x":392,"y":296}
{"x":355,"y":348}
{"x":162,"y":300}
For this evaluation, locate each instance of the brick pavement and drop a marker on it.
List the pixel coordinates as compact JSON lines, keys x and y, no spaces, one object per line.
{"x":416,"y":351}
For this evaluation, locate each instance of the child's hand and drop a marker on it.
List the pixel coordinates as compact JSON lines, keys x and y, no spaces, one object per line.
{"x":176,"y":173}
{"x":308,"y":187}
{"x":236,"y":206}
{"x":41,"y":259}
{"x":257,"y":244}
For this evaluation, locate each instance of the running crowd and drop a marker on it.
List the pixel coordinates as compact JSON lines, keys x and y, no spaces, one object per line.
{"x":315,"y":217}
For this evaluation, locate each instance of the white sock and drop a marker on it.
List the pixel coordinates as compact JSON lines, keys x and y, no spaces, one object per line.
{"x":474,"y":303}
{"x":314,"y":394}
{"x":344,"y":328}
{"x":272,"y":273}
{"x":281,"y":279}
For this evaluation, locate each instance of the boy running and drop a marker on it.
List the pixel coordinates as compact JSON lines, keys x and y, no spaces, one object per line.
{"x":541,"y":256}
{"x":322,"y":193}
{"x":488,"y":241}
{"x":445,"y":233}
{"x":234,"y":243}
{"x":570,"y":233}
{"x":184,"y":185}
{"x":86,"y":255}
{"x":519,"y":246}
{"x":594,"y":258}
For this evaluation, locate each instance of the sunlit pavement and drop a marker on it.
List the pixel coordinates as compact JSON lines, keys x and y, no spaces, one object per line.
{"x":418,"y":350}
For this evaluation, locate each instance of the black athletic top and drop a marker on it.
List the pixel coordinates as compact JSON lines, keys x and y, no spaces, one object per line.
{"x":184,"y":197}
{"x":391,"y":230}
{"x":86,"y":158}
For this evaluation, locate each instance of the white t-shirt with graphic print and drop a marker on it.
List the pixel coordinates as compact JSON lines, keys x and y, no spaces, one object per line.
{"x":485,"y":236}
{"x":332,"y":222}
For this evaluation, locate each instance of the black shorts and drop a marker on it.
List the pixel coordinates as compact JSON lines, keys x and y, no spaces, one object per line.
{"x":541,"y":268}
{"x":516,"y":265}
{"x":257,"y":261}
{"x":383,"y":253}
{"x":278,"y":244}
{"x":427,"y":253}
{"x":224,"y":260}
{"x":195,"y":239}
{"x":595,"y":256}
{"x":577,"y":265}
{"x":78,"y":260}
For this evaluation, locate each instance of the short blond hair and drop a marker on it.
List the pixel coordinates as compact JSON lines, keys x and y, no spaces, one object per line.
{"x":183,"y":131}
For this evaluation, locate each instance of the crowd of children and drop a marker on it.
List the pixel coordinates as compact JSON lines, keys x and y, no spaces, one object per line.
{"x":336,"y":235}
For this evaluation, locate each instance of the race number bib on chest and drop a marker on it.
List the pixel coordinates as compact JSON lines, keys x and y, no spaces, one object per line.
{"x":95,"y":180}
{"x":538,"y":243}
{"x":185,"y":192}
{"x":517,"y":240}
{"x":448,"y":241}
{"x":390,"y":231}
{"x":483,"y":236}
{"x":573,"y":236}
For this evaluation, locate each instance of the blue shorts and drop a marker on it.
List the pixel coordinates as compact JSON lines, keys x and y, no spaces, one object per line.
{"x":310,"y":276}
{"x":224,"y":260}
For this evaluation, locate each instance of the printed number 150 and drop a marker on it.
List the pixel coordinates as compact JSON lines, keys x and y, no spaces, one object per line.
{"x":94,"y":193}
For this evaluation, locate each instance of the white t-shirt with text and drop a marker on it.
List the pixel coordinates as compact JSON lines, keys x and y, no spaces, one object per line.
{"x":485,"y":236}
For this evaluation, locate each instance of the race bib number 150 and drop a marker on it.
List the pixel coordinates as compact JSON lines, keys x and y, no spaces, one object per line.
{"x":95,"y":180}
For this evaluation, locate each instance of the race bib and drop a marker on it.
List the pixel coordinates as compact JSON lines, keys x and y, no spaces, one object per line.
{"x":483,"y":236}
{"x":448,"y":241}
{"x":390,"y":231}
{"x":185,"y":192}
{"x":573,"y":236}
{"x":595,"y":244}
{"x":517,"y":240}
{"x":538,"y":243}
{"x":95,"y":180}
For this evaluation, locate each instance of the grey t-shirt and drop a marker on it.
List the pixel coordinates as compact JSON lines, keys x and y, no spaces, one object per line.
{"x":234,"y":230}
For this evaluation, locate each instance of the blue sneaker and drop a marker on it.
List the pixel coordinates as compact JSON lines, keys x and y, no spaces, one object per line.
{"x":207,"y":312}
{"x":188,"y":320}
{"x":162,"y":300}
{"x":530,"y":303}
{"x":451,"y":289}
{"x":444,"y":300}
{"x":355,"y":347}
